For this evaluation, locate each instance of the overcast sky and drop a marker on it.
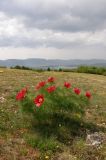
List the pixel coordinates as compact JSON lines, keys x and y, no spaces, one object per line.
{"x":51,"y":29}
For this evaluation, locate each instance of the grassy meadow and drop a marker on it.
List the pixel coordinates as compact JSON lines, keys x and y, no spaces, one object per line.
{"x":22,"y":138}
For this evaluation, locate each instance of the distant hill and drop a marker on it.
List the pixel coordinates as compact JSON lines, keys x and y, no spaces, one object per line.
{"x":53,"y":63}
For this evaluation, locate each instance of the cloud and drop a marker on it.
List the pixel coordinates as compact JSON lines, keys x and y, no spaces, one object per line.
{"x":61,"y":15}
{"x":13,"y":33}
{"x":63,"y":25}
{"x":82,"y":52}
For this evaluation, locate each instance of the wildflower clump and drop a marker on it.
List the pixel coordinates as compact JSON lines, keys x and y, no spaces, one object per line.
{"x":49,"y":99}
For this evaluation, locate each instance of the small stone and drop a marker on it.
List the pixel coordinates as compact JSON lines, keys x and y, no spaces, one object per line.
{"x":94,"y":139}
{"x":2,"y":99}
{"x":46,"y":157}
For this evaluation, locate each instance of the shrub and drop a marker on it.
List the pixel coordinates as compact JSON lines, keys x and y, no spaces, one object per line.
{"x":3,"y":67}
{"x":60,"y":70}
{"x":92,"y":70}
{"x":48,"y":69}
{"x":21,"y":67}
{"x":49,"y":100}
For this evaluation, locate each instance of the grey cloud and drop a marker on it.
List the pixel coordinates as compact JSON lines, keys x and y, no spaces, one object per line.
{"x":15,"y":41}
{"x":64,"y":15}
{"x":19,"y":42}
{"x":43,"y":19}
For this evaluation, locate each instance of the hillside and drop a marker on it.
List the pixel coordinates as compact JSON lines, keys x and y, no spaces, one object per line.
{"x":44,"y":63}
{"x":18,"y":132}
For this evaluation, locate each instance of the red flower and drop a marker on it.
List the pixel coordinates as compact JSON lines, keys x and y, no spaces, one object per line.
{"x":21,"y":95}
{"x":24,"y":90}
{"x":67,"y":85}
{"x":40,"y":84}
{"x":77,"y":91}
{"x":37,"y":87}
{"x":39,"y":100}
{"x":88,"y":94}
{"x":51,"y":79}
{"x":51,"y":89}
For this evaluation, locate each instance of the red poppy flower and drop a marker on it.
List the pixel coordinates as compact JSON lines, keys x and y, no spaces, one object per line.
{"x":37,"y":87}
{"x":88,"y":94}
{"x":40,"y":84}
{"x":51,"y":89}
{"x":67,"y":84}
{"x":20,"y":95}
{"x":24,"y":90}
{"x":77,"y":91}
{"x":51,"y":79}
{"x":39,"y":100}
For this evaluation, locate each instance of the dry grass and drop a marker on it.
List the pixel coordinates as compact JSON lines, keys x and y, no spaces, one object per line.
{"x":14,"y":127}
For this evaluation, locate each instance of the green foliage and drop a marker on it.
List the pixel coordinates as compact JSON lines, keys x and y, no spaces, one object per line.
{"x":3,"y":67}
{"x":60,"y":107}
{"x":41,"y":143}
{"x":86,"y":69}
{"x":48,"y":69}
{"x":60,"y":70}
{"x":28,"y":68}
{"x":21,"y":67}
{"x":92,"y":70}
{"x":61,"y":101}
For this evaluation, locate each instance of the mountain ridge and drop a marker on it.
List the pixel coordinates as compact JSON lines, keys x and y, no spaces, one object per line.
{"x":42,"y":63}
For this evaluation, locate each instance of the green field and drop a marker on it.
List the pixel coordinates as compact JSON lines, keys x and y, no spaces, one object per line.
{"x":22,"y":139}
